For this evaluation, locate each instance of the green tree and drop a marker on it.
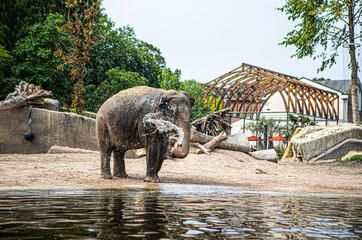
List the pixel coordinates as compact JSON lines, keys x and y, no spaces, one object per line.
{"x":80,"y":28}
{"x":5,"y":60}
{"x":257,"y":128}
{"x":117,"y":80}
{"x":170,"y":80}
{"x":36,"y":61}
{"x":294,"y":122}
{"x":330,"y":24}
{"x":192,"y":87}
{"x":17,"y":17}
{"x":122,"y":49}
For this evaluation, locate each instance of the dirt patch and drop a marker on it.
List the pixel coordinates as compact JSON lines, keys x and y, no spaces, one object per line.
{"x":222,"y":167}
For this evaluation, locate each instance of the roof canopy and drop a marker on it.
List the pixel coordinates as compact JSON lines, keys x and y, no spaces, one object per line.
{"x":247,"y":89}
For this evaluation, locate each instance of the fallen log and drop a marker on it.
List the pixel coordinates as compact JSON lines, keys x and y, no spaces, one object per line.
{"x":201,"y":148}
{"x":203,"y":138}
{"x":214,"y":142}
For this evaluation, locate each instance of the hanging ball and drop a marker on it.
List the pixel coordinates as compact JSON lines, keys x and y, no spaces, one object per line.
{"x":29,"y":136}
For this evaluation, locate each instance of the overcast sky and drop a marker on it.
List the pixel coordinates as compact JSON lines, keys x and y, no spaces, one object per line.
{"x":207,"y":38}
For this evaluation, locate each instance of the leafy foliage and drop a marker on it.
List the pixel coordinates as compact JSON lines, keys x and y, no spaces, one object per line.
{"x":36,"y":61}
{"x":5,"y":60}
{"x":87,"y":45}
{"x":193,"y":88}
{"x":354,"y":158}
{"x":294,"y":122}
{"x":257,"y":127}
{"x":80,"y":29}
{"x":117,"y":80}
{"x":122,"y":49}
{"x":328,"y":24}
{"x":318,"y":24}
{"x":171,"y":80}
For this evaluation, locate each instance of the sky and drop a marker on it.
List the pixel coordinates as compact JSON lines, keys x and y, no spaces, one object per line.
{"x":207,"y":38}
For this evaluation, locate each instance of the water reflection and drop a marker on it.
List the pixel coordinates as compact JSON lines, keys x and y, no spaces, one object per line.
{"x":112,"y":214}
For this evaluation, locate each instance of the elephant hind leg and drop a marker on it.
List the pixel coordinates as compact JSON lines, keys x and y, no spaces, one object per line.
{"x":119,"y":169}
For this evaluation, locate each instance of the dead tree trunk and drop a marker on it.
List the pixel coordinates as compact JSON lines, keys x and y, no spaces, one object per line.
{"x":203,"y":138}
{"x":213,"y":124}
{"x":213,"y":143}
{"x":25,"y":95}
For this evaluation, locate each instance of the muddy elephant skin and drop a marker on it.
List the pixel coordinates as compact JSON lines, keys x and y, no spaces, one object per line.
{"x":120,"y":127}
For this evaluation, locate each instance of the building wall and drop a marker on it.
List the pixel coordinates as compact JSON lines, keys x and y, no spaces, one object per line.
{"x":49,"y":127}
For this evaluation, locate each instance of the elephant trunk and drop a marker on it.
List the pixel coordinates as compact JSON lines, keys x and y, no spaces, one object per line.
{"x":181,"y":151}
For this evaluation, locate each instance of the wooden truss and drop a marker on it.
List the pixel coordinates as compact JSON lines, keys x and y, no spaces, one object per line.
{"x":247,"y":88}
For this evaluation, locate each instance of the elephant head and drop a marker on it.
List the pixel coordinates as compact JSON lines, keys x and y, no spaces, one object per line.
{"x":177,"y":107}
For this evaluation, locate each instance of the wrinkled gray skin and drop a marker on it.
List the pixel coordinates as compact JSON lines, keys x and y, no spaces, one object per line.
{"x":120,"y":127}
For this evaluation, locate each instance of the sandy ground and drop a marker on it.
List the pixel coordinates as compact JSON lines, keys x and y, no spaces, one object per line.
{"x":222,"y":167}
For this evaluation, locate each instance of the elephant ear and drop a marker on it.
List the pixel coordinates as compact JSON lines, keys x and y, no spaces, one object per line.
{"x":192,"y":101}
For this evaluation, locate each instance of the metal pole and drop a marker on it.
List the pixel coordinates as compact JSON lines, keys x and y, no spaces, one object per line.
{"x":287,"y":127}
{"x":265,"y":136}
{"x":244,"y":126}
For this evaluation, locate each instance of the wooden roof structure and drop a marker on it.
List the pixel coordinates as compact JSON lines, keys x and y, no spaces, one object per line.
{"x":247,"y":89}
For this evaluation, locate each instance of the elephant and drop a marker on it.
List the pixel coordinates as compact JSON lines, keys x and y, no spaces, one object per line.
{"x":120,"y":127}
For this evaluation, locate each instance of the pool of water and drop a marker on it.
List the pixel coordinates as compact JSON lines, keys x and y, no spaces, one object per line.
{"x":176,"y":212}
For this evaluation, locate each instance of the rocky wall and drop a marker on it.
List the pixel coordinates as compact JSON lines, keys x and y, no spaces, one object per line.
{"x":49,"y":127}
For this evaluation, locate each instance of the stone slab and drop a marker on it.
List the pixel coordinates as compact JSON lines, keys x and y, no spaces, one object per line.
{"x":238,"y":138}
{"x":310,"y":142}
{"x":269,"y":155}
{"x":340,"y":150}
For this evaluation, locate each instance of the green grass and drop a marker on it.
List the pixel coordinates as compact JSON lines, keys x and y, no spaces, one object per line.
{"x":354,"y":158}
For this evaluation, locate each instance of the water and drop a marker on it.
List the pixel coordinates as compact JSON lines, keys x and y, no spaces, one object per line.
{"x":163,"y":126}
{"x":177,"y":212}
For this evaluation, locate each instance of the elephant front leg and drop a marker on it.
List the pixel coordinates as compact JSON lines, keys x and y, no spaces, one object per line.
{"x":105,"y":163}
{"x":153,"y":155}
{"x":119,"y":169}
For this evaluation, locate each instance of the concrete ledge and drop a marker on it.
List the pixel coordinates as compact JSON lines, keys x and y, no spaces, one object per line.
{"x":49,"y":127}
{"x":310,"y":142}
{"x":340,"y":150}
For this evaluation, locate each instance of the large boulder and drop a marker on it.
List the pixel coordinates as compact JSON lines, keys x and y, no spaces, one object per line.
{"x":238,"y":138}
{"x":311,"y":142}
{"x":269,"y":155}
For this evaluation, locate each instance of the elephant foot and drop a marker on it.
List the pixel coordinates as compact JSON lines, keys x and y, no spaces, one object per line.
{"x":107,"y":176}
{"x":120,"y":175}
{"x":152,"y":179}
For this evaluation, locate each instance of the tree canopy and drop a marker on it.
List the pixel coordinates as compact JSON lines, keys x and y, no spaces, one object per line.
{"x":39,"y":39}
{"x":329,"y":24}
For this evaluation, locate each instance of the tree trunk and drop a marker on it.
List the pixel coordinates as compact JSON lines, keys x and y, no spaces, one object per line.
{"x":354,"y":76}
{"x":203,"y":138}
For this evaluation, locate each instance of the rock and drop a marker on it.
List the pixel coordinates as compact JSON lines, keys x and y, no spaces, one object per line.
{"x":351,"y":154}
{"x":238,"y":138}
{"x":51,"y":104}
{"x":340,"y":150}
{"x":269,"y":155}
{"x":310,"y":142}
{"x":61,"y":149}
